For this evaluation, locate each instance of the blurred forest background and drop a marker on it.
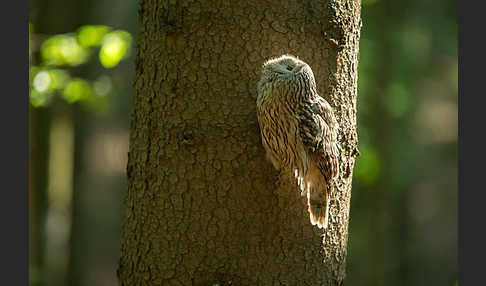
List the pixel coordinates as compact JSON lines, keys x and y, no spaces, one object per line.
{"x":403,"y":227}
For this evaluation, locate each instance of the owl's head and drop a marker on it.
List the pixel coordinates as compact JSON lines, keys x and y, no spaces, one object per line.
{"x":285,"y":69}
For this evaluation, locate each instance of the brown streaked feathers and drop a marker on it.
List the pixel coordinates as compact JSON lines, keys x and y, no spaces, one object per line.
{"x":299,"y":131}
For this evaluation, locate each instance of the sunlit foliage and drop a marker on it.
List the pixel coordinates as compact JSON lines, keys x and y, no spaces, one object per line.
{"x":77,"y":89}
{"x":91,"y":36}
{"x":61,"y":54}
{"x":44,"y":82}
{"x":114,"y":48}
{"x":62,"y":50}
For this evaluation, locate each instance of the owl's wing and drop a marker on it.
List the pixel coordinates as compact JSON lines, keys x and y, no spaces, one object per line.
{"x":318,"y":130}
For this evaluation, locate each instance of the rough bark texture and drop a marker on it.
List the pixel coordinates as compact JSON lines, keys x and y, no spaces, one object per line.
{"x":203,"y":206}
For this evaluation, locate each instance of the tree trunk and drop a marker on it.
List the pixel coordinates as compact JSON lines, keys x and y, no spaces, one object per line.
{"x":39,"y":123}
{"x":203,"y":205}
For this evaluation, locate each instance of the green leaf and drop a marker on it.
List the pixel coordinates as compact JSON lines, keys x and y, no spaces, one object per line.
{"x":91,"y":35}
{"x":42,"y":81}
{"x":59,"y":78}
{"x":46,"y":80}
{"x":63,"y":50}
{"x":115,"y":47}
{"x":77,"y":89}
{"x":38,"y":99}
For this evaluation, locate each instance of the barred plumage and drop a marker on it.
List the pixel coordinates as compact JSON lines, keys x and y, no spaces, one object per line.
{"x":299,"y":131}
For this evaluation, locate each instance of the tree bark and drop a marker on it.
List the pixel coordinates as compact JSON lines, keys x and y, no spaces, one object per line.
{"x":203,"y":205}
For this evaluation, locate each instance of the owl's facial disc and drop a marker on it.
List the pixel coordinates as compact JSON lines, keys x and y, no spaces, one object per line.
{"x":282,"y":67}
{"x":289,"y":64}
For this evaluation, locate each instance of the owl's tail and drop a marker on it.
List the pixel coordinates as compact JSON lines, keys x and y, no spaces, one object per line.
{"x":317,"y":198}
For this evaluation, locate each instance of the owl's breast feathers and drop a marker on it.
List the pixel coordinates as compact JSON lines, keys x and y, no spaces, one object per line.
{"x":318,"y":129}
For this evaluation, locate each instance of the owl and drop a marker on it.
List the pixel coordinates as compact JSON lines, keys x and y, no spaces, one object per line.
{"x":299,"y":131}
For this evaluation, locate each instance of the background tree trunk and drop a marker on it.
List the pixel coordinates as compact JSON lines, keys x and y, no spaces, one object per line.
{"x":39,"y":122}
{"x":203,"y":206}
{"x":48,"y":17}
